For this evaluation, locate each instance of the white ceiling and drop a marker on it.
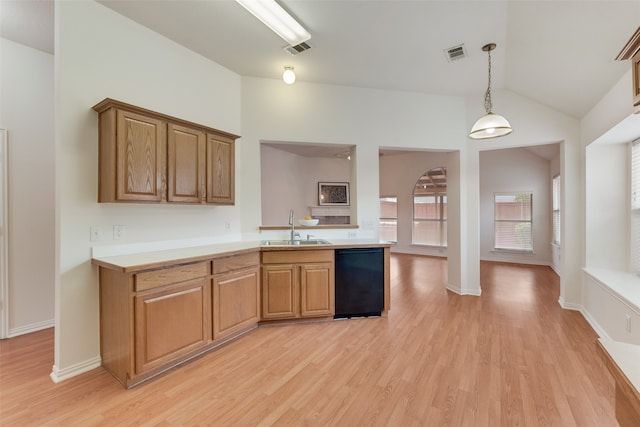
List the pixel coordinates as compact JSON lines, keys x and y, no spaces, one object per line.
{"x":558,"y":53}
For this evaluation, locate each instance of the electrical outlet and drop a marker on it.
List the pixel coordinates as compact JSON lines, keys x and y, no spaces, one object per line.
{"x":119,"y":232}
{"x":352,"y":235}
{"x":628,"y":324}
{"x":227,"y":225}
{"x":96,"y":233}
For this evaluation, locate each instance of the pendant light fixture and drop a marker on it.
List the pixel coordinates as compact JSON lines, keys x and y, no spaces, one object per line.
{"x":490,"y":125}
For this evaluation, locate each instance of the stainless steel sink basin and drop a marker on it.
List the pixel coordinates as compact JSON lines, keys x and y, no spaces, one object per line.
{"x":294,"y":242}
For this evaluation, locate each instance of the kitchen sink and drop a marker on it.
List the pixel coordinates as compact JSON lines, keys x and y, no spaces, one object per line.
{"x":294,"y":242}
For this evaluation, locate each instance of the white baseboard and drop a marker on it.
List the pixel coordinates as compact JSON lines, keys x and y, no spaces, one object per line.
{"x":34,"y":327}
{"x":569,"y":305}
{"x":58,"y":375}
{"x":595,"y":325}
{"x":463,"y":291}
{"x":587,"y":316}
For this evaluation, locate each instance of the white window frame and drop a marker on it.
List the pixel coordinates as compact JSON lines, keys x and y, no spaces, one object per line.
{"x":496,"y":221}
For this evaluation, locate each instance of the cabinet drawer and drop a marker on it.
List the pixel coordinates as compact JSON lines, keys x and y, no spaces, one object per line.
{"x":279,"y":257}
{"x":235,"y":262}
{"x":172,"y":275}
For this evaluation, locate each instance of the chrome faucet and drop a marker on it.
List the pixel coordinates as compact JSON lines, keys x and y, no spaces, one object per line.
{"x":293,"y":227}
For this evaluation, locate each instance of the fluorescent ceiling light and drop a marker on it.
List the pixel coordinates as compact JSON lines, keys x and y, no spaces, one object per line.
{"x":275,"y":17}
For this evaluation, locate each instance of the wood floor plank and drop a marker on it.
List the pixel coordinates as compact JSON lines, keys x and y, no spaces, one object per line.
{"x":510,"y":357}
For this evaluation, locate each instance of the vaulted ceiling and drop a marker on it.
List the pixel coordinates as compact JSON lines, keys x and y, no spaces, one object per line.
{"x":558,"y":53}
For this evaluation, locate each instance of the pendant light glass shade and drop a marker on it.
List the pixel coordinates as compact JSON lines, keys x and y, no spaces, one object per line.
{"x":490,"y":125}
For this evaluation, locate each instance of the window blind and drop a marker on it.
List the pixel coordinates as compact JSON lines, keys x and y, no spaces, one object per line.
{"x":635,"y":206}
{"x":430,"y":220}
{"x":389,"y":219}
{"x":512,"y":221}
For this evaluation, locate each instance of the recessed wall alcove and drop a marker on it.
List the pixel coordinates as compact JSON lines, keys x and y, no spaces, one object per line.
{"x":289,"y":177}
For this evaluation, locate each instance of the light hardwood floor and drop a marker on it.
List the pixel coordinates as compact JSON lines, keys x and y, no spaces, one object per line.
{"x":511,"y":357}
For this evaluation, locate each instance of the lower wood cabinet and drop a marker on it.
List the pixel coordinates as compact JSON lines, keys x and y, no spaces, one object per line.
{"x":153,"y":320}
{"x":171,"y":322}
{"x":297,"y":284}
{"x":236,"y":297}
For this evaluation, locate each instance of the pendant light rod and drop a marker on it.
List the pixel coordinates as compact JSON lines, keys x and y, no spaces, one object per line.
{"x":487,"y":95}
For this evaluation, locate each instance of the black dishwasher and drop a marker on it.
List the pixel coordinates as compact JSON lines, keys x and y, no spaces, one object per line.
{"x":359,"y":282}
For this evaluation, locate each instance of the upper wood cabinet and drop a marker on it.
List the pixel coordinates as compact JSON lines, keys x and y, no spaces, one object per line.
{"x":149,"y":157}
{"x":632,"y":51}
{"x":185,"y":161}
{"x":220,"y":170}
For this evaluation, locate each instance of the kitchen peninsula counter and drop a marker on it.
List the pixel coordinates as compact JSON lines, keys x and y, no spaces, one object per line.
{"x":160,"y":309}
{"x":131,"y":263}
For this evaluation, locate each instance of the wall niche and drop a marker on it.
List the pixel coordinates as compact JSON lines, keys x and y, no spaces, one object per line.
{"x":289,"y":177}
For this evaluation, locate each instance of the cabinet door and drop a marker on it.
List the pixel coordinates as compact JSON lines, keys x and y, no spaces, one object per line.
{"x":170,"y":322}
{"x":140,"y":147}
{"x":236,"y":302}
{"x":316,"y":290}
{"x":186,"y":164}
{"x":220,"y":170}
{"x":279,"y":292}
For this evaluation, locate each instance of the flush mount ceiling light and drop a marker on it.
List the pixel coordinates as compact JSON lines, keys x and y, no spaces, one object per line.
{"x":490,"y":125}
{"x":275,"y":17}
{"x":288,"y":75}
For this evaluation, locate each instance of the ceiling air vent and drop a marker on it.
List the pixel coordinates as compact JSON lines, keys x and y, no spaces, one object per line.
{"x":456,"y":52}
{"x":297,"y":49}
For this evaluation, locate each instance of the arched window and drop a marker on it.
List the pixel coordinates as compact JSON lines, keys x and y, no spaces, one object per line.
{"x":430,"y":209}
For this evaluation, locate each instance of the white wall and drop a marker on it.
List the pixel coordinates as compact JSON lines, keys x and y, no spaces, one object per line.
{"x":607,"y":311}
{"x":26,"y":106}
{"x":290,"y":181}
{"x":398,"y":176}
{"x":515,"y":170}
{"x":606,"y":206}
{"x":606,"y":229}
{"x":100,"y":54}
{"x":367,"y":119}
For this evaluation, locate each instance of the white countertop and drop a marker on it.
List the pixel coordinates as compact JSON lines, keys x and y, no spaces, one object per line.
{"x":147,"y":260}
{"x":155,"y":259}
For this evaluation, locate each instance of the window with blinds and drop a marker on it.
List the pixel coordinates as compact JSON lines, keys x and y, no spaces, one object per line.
{"x":389,"y":219}
{"x":556,"y":209}
{"x":430,"y":209}
{"x":512,"y":221}
{"x":635,"y":206}
{"x":430,"y":220}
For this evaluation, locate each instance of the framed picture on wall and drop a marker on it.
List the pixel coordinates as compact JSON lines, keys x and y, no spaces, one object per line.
{"x":333,"y":193}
